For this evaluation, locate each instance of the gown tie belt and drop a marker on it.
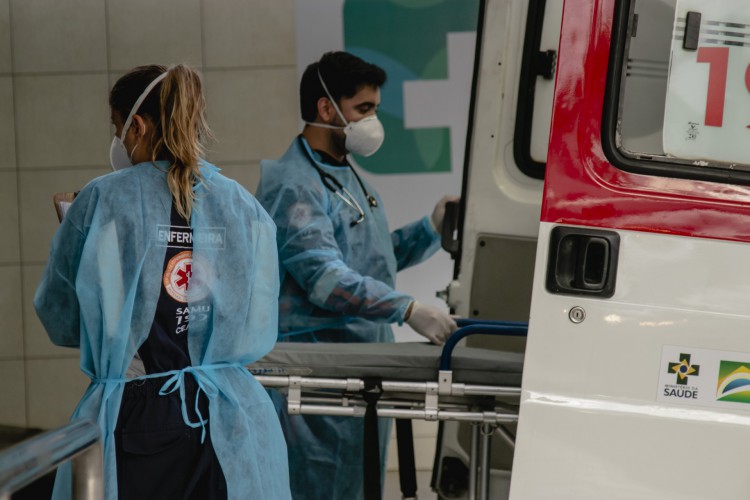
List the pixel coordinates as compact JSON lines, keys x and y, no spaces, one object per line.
{"x":176,"y":382}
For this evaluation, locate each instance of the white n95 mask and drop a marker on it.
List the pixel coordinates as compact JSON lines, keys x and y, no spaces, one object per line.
{"x":119,"y":157}
{"x":363,"y":137}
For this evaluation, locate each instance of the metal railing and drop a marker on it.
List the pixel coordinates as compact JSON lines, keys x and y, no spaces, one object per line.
{"x":29,"y":460}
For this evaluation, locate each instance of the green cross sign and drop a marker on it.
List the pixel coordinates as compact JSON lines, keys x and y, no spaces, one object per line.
{"x":418,"y":43}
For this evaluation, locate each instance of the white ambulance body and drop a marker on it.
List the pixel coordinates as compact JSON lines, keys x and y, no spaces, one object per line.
{"x":607,"y":201}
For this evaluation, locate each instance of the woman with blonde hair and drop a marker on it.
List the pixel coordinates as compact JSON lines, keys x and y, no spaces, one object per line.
{"x":164,"y":273}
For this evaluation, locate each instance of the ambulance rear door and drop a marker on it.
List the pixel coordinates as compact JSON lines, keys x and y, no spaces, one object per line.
{"x":511,"y":108}
{"x":637,"y":370}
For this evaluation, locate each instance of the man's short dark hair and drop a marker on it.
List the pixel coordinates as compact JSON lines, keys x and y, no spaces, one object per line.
{"x":344,"y":74}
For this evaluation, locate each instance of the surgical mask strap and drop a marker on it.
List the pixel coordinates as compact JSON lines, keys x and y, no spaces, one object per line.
{"x":335,"y":106}
{"x":324,"y":125}
{"x":138,"y":103}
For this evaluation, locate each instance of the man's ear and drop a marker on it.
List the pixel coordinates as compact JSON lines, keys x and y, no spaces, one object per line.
{"x":326,"y":111}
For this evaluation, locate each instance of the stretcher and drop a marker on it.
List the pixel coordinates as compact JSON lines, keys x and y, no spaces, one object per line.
{"x":405,"y":381}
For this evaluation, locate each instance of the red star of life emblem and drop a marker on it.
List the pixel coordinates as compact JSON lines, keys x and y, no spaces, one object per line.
{"x":177,"y":276}
{"x":184,"y":275}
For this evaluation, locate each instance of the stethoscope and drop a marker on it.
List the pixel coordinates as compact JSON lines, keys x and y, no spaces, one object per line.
{"x":335,"y":186}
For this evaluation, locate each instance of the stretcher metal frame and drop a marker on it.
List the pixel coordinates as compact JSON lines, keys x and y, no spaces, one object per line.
{"x":488,"y":407}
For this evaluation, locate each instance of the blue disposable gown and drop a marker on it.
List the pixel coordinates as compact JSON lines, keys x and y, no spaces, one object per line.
{"x":337,"y":285}
{"x":100,"y":289}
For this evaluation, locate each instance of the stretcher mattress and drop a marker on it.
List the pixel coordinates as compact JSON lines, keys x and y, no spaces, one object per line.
{"x":409,"y":361}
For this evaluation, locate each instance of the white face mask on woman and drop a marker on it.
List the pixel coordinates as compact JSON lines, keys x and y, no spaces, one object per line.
{"x":119,"y":157}
{"x":363,"y":137}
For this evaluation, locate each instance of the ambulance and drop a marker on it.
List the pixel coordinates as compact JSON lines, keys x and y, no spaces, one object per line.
{"x":606,"y":201}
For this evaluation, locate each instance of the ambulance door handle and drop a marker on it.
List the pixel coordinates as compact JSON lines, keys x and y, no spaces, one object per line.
{"x":582,"y":262}
{"x":449,"y":237}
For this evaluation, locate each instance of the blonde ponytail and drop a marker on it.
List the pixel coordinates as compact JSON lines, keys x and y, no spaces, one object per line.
{"x":183,"y":128}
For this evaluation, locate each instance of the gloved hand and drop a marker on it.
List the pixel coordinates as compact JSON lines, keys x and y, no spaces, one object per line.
{"x":431,"y":322}
{"x":438,"y":214}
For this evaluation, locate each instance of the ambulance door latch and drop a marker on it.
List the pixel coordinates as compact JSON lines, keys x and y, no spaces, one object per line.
{"x":582,"y":261}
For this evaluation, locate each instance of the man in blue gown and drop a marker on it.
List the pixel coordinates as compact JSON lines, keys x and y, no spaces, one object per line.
{"x":339,"y":260}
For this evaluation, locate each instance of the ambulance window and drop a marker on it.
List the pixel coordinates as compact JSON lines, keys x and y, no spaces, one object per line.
{"x":537,"y":85}
{"x":678,"y":101}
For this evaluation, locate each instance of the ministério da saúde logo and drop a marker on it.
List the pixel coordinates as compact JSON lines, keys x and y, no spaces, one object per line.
{"x":684,"y":369}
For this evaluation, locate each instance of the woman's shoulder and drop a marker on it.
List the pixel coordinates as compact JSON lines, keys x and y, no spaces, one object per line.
{"x":97,"y":184}
{"x":228,"y":191}
{"x":87,"y":201}
{"x":222,"y":186}
{"x":117,"y":178}
{"x":125,"y":182}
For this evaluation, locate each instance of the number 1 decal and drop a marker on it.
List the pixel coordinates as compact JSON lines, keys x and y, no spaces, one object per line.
{"x":707,"y":103}
{"x":718,"y":60}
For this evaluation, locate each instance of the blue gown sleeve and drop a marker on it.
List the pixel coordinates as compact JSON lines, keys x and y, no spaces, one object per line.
{"x":55,"y":300}
{"x":263,"y":318}
{"x":309,"y":252}
{"x":414,"y":243}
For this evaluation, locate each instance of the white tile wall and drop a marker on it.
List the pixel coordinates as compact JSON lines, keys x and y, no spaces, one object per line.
{"x":13,"y":407}
{"x":11,"y":323}
{"x":54,"y":387}
{"x":240,"y":33}
{"x":154,"y":32}
{"x":253,"y":113}
{"x":38,"y":217}
{"x":62,"y":120}
{"x":9,"y":244}
{"x":7,"y":125}
{"x":58,"y":60}
{"x":59,"y":36}
{"x":5,"y":60}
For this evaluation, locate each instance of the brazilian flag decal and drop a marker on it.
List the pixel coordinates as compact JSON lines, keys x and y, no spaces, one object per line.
{"x":734,"y":382}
